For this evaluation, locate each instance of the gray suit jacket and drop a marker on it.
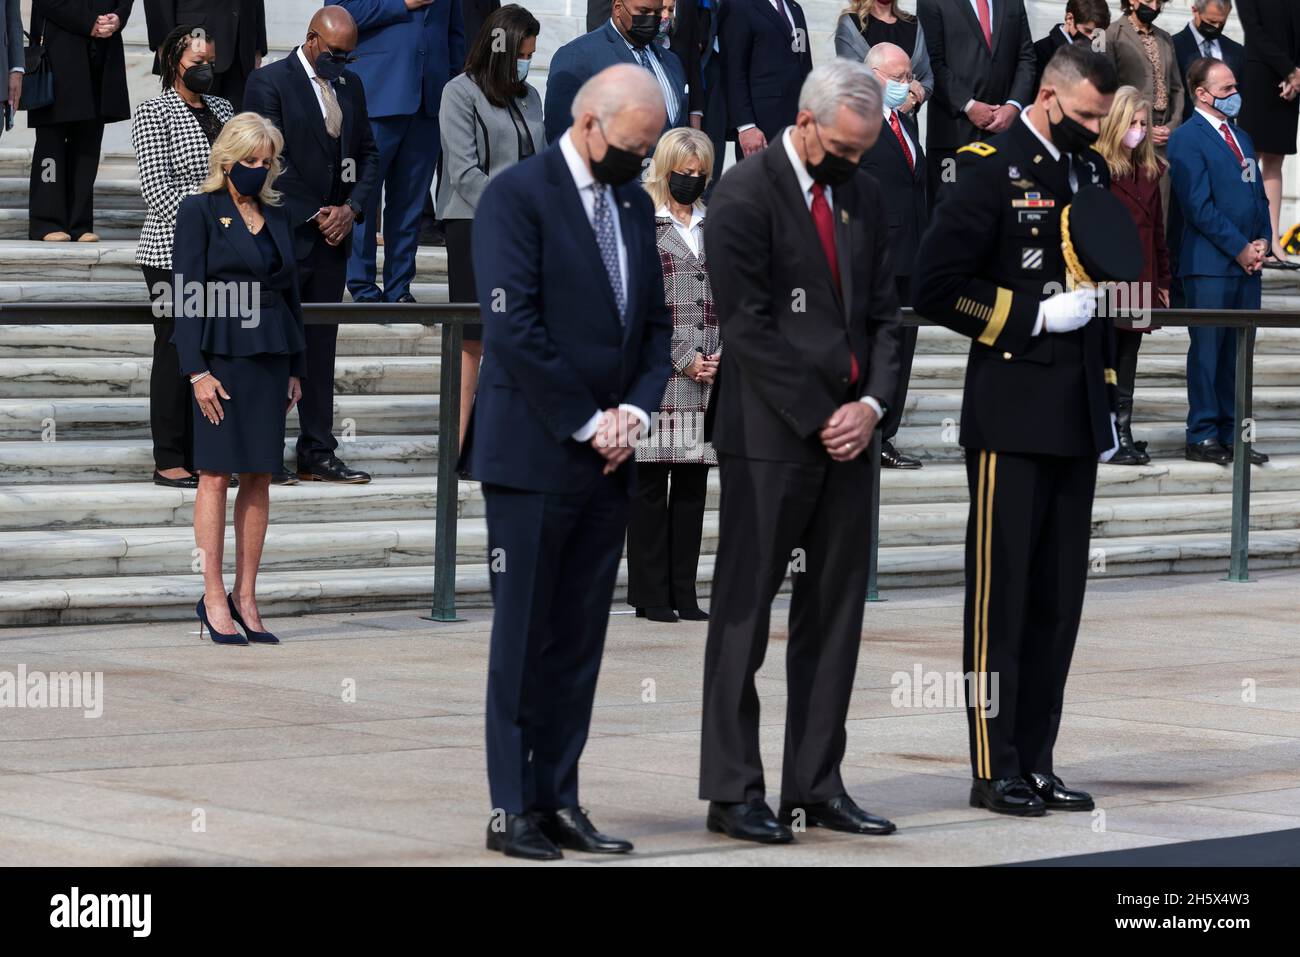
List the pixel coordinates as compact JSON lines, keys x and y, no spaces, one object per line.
{"x":852,"y":45}
{"x":479,"y":140}
{"x":11,"y":44}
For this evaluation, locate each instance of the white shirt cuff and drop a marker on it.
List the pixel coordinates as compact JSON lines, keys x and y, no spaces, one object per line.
{"x":746,"y":126}
{"x":1015,"y":104}
{"x":969,"y":104}
{"x":585,"y":433}
{"x":880,"y":413}
{"x":17,"y":69}
{"x":639,"y":413}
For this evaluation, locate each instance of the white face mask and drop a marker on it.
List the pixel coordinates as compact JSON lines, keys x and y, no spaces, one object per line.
{"x":1134,"y":136}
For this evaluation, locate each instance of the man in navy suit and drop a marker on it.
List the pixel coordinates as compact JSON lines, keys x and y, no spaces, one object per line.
{"x":575,"y":355}
{"x":765,"y":59}
{"x":627,"y":37}
{"x":407,"y":52}
{"x":1202,"y":37}
{"x":1226,"y":233}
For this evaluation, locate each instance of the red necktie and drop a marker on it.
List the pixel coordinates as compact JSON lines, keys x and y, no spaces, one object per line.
{"x":986,"y":22}
{"x":1232,"y":143}
{"x":822,"y":219}
{"x":898,"y":131}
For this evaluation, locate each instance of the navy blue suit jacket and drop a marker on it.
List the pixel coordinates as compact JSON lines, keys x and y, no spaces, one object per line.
{"x":762,"y":73}
{"x":579,"y":60}
{"x":1224,"y":206}
{"x":554,"y":351}
{"x":215,"y":250}
{"x":1187,"y":47}
{"x":405,"y":57}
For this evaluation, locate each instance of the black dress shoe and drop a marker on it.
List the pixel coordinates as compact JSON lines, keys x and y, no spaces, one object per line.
{"x":1208,"y":451}
{"x":405,"y":297}
{"x":891,"y":458}
{"x":190,"y":481}
{"x":1006,"y":796}
{"x":1255,"y":458}
{"x":656,"y":613}
{"x":748,"y":821}
{"x":1055,"y":795}
{"x":521,"y":837}
{"x":331,"y":469}
{"x":694,"y":613}
{"x":284,"y":477}
{"x":837,"y":814}
{"x":571,"y":829}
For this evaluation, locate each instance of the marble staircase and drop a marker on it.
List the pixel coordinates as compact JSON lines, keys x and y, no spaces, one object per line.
{"x":85,"y":537}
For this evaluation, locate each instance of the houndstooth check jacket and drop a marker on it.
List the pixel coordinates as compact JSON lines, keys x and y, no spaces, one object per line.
{"x":678,"y":435}
{"x":172,"y":152}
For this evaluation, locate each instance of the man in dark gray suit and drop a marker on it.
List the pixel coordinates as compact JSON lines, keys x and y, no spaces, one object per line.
{"x":11,"y":60}
{"x":984,"y":66}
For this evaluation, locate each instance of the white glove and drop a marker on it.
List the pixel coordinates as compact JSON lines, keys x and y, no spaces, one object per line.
{"x":1114,"y":437}
{"x":1066,"y":311}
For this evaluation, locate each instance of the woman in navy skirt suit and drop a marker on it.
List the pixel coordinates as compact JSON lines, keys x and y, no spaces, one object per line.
{"x":239,"y":334}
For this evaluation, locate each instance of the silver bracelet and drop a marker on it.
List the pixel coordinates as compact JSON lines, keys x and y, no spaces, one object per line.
{"x":196,"y":378}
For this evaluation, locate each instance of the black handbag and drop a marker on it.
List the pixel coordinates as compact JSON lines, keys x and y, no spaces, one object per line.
{"x":38,"y":81}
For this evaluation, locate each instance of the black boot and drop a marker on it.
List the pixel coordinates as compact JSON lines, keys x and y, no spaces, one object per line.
{"x":1128,"y":453}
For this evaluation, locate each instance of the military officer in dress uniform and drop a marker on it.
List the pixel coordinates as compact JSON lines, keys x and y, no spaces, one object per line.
{"x":1037,"y":415}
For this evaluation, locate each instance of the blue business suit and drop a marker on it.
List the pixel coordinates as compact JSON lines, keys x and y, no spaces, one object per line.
{"x":579,"y":60}
{"x":554,"y":352}
{"x":404,"y":58}
{"x":762,"y":70}
{"x":1224,"y":208}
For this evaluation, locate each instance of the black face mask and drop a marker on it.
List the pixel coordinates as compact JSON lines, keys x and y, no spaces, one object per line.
{"x":330,"y":66}
{"x":1147,"y":14}
{"x":1069,"y":135}
{"x":198,"y":78}
{"x":1209,"y":31}
{"x":832,"y":170}
{"x":644,"y":28}
{"x":617,"y":166}
{"x":684,"y":188}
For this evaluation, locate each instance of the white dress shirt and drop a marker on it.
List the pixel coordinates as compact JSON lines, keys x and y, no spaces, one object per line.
{"x":902,"y":128}
{"x":1216,"y":50}
{"x":583,"y":179}
{"x":672,"y":97}
{"x":993,"y":19}
{"x":806,"y":184}
{"x":692,"y":234}
{"x":311,"y":75}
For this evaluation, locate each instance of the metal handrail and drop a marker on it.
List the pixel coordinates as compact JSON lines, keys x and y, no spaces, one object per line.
{"x":453,"y":316}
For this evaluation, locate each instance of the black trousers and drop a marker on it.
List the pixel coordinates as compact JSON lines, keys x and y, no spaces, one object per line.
{"x":171,"y":411}
{"x":65,"y":163}
{"x":894,"y":417}
{"x":773,"y":514}
{"x":553,"y":567}
{"x":663,"y":534}
{"x":322,"y":276}
{"x":1026,"y":572}
{"x":1127,"y":346}
{"x":231,"y":84}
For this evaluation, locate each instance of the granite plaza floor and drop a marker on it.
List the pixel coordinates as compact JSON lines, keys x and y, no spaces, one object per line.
{"x":359,"y":740}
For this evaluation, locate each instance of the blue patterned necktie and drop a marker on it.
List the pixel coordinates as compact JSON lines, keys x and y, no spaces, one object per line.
{"x":602,"y":220}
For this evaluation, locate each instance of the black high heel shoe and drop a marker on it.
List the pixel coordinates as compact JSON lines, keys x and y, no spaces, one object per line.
{"x":261,"y":637}
{"x":235,"y":638}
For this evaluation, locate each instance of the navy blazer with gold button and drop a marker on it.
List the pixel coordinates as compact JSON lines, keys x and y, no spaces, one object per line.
{"x":214,"y":249}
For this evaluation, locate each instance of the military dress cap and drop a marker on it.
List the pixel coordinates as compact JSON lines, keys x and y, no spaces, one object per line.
{"x":1099,"y":239}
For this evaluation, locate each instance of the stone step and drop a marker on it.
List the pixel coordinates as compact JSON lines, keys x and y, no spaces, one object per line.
{"x":66,"y":601}
{"x":131,"y":460}
{"x":23,"y":260}
{"x":82,"y":341}
{"x":1173,"y":340}
{"x":79,"y":417}
{"x":109,"y":224}
{"x":49,"y":377}
{"x":948,"y":371}
{"x":17,"y":161}
{"x":134,"y":291}
{"x":110,"y":193}
{"x":140,"y":504}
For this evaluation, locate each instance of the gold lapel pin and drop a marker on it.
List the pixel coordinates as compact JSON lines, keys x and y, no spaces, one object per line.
{"x":1038,"y":158}
{"x":226,"y":221}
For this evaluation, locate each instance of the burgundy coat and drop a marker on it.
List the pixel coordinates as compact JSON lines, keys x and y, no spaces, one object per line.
{"x":1142,"y":198}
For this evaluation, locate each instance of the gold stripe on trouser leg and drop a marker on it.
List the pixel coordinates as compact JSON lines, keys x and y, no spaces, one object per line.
{"x":984,"y":612}
{"x":976,"y":617}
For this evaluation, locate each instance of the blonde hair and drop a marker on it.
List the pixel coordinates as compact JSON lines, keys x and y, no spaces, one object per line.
{"x":1128,"y":103}
{"x":675,"y":148}
{"x":859,"y":10}
{"x":243,"y":136}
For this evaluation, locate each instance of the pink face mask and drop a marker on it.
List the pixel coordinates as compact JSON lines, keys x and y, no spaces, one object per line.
{"x":1134,"y":136}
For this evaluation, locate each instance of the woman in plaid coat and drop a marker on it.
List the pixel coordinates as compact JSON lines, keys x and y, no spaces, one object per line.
{"x":667,"y":512}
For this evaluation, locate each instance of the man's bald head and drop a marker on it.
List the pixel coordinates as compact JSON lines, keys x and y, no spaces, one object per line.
{"x":621,"y":105}
{"x":335,"y":27}
{"x":888,"y":59}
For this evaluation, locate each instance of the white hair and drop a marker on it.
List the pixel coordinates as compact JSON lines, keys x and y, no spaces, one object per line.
{"x":880,"y":52}
{"x":1202,"y":5}
{"x":840,"y":82}
{"x":617,"y":89}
